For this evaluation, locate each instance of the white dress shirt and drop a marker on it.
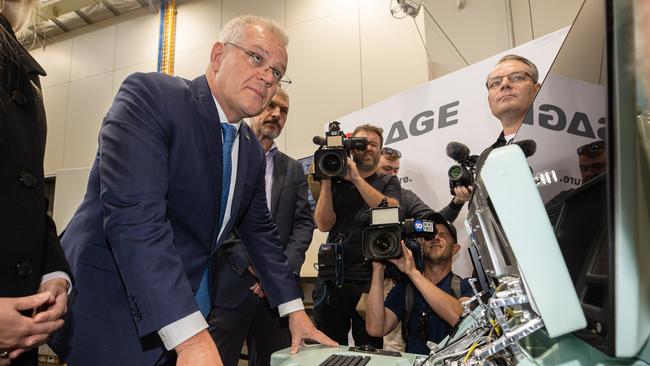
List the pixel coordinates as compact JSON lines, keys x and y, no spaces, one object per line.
{"x":179,"y":331}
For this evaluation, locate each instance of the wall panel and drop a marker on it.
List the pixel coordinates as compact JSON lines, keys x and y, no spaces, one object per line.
{"x":93,"y":53}
{"x":55,"y":100}
{"x":324,"y":63}
{"x":88,"y":102}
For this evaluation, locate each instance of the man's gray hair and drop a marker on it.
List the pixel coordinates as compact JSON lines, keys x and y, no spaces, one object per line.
{"x":234,"y":30}
{"x":533,"y":69}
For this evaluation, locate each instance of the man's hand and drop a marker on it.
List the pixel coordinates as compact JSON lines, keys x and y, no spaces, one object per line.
{"x":462,"y":194}
{"x":257,"y":287}
{"x":302,"y":328}
{"x":198,"y":350}
{"x":378,"y":266}
{"x":405,"y":263}
{"x":353,"y":172}
{"x":58,"y":306}
{"x":258,"y":290}
{"x":18,"y":332}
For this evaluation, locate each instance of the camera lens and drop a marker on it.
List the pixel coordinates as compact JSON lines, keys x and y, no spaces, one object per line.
{"x":331,"y":164}
{"x":384,"y":244}
{"x":455,"y":172}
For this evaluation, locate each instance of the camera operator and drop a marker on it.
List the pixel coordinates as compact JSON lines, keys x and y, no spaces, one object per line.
{"x":434,"y":295}
{"x":412,"y":205}
{"x":512,"y":86}
{"x":342,"y":210}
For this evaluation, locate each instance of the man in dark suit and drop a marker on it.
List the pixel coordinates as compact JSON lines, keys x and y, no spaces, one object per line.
{"x":176,"y":171}
{"x":239,"y":297}
{"x":512,"y":85}
{"x":33,"y":270}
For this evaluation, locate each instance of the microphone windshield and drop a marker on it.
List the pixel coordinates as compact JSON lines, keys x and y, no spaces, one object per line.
{"x":457,"y":151}
{"x":528,"y":147}
{"x":319,"y":140}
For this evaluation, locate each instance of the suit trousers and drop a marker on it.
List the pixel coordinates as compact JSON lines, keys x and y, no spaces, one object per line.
{"x":262,"y":328}
{"x":335,"y":315}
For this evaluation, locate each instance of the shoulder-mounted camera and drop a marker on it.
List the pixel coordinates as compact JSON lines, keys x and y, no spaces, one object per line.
{"x":330,"y":160}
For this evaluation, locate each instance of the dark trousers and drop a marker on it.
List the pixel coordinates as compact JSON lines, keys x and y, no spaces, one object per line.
{"x":264,"y":331}
{"x":29,"y":358}
{"x":334,"y":315}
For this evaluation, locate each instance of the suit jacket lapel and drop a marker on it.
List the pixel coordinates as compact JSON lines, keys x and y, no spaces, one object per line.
{"x":279,"y":166}
{"x":210,"y":125}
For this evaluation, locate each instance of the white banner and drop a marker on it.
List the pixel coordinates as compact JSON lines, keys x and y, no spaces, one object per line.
{"x":567,"y":114}
{"x":420,"y":122}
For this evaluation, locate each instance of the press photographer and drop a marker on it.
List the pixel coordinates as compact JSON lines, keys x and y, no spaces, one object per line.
{"x":341,"y":210}
{"x":429,"y":303}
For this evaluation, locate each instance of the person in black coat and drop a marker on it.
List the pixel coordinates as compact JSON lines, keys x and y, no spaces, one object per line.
{"x":33,"y":269}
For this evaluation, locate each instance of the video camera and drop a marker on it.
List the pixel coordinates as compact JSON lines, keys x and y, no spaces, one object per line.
{"x":381,"y":240}
{"x":462,"y":174}
{"x":331,"y":159}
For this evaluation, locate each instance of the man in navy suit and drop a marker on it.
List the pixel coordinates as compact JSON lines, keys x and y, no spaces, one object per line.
{"x":175,"y":172}
{"x":241,"y":311}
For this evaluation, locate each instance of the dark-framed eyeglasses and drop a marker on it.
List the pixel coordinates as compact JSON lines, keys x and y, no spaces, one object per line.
{"x":423,"y":325}
{"x":514,"y":77}
{"x":257,"y":61}
{"x":391,"y":151}
{"x":593,"y":147}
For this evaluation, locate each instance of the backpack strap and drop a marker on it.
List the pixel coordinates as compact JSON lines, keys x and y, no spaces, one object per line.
{"x":408,"y":302}
{"x":455,"y":285}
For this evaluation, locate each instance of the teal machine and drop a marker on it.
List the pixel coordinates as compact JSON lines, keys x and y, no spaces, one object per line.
{"x":559,"y":281}
{"x":568,"y":273}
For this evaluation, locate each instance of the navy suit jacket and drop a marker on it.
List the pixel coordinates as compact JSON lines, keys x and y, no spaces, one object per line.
{"x":291,"y":212}
{"x":142,"y":237}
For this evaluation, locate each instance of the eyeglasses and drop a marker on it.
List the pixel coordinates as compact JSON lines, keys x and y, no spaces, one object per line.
{"x":389,"y":151}
{"x":423,"y":324}
{"x":257,"y":61}
{"x":514,"y":77}
{"x":593,"y":147}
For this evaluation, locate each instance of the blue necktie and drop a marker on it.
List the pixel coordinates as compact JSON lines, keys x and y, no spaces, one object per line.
{"x":229,"y":132}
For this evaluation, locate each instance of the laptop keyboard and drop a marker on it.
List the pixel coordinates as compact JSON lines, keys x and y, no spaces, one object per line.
{"x":345,"y":360}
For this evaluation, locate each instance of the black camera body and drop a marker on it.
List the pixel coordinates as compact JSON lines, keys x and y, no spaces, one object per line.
{"x":462,"y":174}
{"x":381,"y":240}
{"x":331,"y":159}
{"x":330,"y":263}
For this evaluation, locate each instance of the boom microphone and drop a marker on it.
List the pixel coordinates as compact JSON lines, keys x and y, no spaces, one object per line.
{"x":319,"y":140}
{"x":528,"y":147}
{"x":457,"y":151}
